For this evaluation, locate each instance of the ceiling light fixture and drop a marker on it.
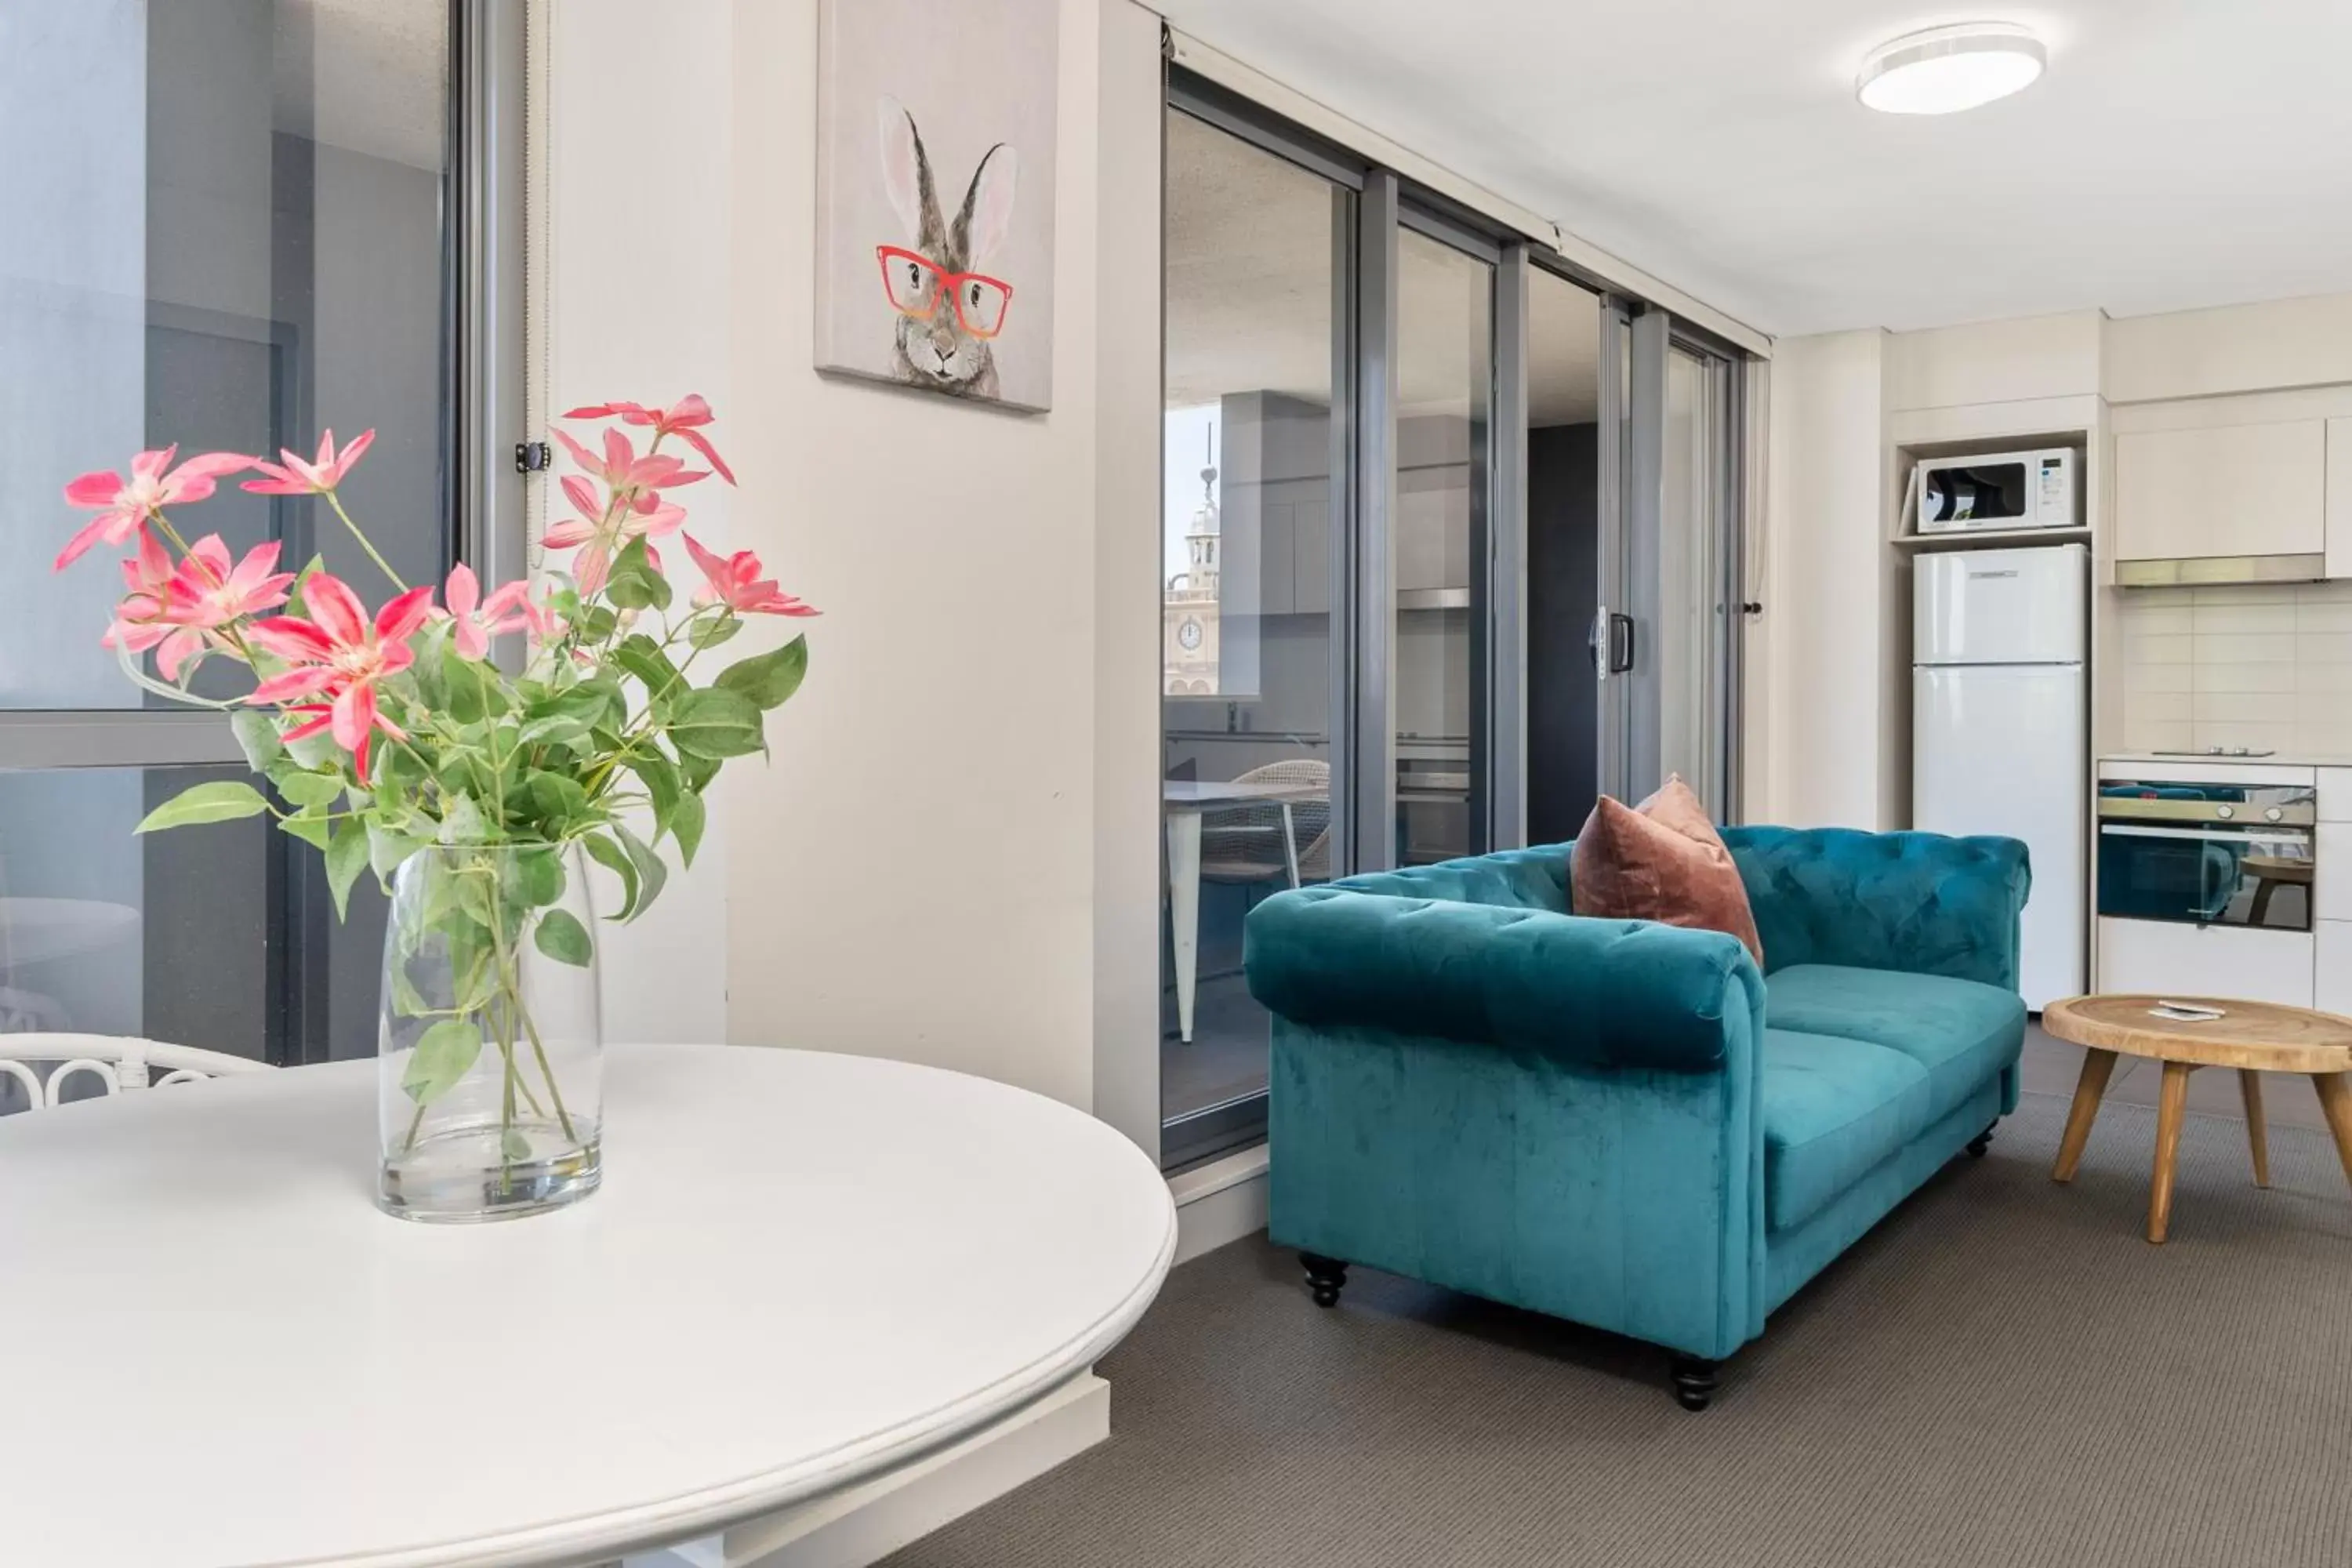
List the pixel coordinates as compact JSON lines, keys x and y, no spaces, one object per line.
{"x":1946,"y":69}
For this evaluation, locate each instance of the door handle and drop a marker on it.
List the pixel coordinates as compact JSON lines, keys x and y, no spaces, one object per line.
{"x":1611,"y":643}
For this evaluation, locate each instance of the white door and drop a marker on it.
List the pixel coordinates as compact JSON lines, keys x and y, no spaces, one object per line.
{"x":1999,"y":748}
{"x":2000,"y":607}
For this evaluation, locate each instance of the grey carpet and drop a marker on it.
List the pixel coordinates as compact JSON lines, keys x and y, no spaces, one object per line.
{"x":2002,"y":1372}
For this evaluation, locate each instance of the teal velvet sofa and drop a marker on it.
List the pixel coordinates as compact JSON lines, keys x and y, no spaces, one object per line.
{"x":1626,"y":1124}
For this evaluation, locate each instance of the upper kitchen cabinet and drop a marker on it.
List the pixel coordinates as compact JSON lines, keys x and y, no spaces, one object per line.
{"x":2339,"y":497}
{"x":2231,"y":490}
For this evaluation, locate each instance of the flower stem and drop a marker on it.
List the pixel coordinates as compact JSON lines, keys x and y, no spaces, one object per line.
{"x":381,"y":563}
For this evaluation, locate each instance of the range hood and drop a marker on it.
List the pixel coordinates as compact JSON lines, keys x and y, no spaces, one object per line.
{"x":2215,"y":570}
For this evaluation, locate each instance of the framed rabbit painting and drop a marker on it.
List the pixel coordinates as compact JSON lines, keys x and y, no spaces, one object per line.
{"x":935,"y":195}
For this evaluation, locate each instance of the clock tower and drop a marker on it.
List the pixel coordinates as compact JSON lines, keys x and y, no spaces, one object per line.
{"x":1189,"y":613}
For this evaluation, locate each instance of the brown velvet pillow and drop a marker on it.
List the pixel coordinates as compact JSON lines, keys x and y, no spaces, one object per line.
{"x":1665,"y":862}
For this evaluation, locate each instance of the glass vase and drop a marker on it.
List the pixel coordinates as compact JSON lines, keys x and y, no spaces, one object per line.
{"x":489,"y":1077}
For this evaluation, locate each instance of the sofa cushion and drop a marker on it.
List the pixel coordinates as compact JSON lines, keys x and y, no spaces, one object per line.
{"x":1833,"y":1108}
{"x":1661,"y":862}
{"x":1961,"y":1031}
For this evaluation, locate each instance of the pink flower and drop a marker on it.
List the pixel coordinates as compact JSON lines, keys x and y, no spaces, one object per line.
{"x":138,"y":623}
{"x":735,"y":582}
{"x":337,"y":655}
{"x":155,"y":484}
{"x":478,"y":619}
{"x":208,"y":592}
{"x":634,"y":480}
{"x":682,"y":421}
{"x":295,"y":477}
{"x":603,"y":531}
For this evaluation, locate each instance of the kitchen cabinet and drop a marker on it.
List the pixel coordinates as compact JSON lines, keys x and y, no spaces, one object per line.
{"x":2339,"y":497}
{"x":2331,"y":988}
{"x":2331,"y":853}
{"x":2160,"y":958}
{"x":2234,"y":489}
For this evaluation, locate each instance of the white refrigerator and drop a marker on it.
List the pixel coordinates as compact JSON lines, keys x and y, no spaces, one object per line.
{"x":2000,"y":720}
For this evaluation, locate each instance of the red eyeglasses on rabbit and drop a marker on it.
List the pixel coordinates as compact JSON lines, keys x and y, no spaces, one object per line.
{"x":915,"y":285}
{"x":948,"y":351}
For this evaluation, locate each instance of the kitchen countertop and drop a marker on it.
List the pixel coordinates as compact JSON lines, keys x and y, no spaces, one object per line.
{"x":2278,"y":759}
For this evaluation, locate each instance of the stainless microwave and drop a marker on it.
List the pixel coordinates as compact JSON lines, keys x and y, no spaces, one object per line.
{"x":2000,"y":490}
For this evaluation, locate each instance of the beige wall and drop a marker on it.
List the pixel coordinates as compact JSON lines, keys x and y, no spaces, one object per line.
{"x":1821,"y":630}
{"x":970,"y":776}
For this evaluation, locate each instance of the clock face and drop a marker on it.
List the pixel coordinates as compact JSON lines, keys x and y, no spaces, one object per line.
{"x":1189,"y":634}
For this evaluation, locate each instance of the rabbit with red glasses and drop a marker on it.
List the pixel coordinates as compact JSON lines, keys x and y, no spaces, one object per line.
{"x":949,"y":314}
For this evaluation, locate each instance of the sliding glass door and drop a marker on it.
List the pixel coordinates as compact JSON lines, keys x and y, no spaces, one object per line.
{"x":1442,"y":555}
{"x":1446,"y":371}
{"x":1254,"y":447}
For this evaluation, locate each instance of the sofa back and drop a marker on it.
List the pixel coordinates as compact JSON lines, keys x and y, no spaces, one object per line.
{"x":1924,"y":902}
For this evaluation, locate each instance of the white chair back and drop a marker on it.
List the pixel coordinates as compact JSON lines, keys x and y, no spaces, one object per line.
{"x":121,"y":1063}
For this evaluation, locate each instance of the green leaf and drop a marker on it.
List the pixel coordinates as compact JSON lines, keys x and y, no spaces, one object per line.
{"x":224,"y":800}
{"x":514,"y":1146}
{"x":539,"y":875}
{"x":659,"y":776}
{"x":769,"y":679}
{"x":467,"y":682}
{"x":388,"y":847}
{"x":615,"y":859}
{"x":310,"y":830}
{"x":562,"y":938}
{"x":709,"y":631}
{"x":462,"y":821}
{"x":256,"y":736}
{"x":347,"y":856}
{"x":632,"y":583}
{"x":651,"y":872}
{"x":407,"y":1000}
{"x":715,"y":722}
{"x":686,"y":824}
{"x":643,"y":658}
{"x":445,"y":1054}
{"x":557,"y":798}
{"x":696,"y":772}
{"x":309,"y":788}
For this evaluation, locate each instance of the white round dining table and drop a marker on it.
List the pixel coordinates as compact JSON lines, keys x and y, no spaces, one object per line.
{"x":804,"y":1269}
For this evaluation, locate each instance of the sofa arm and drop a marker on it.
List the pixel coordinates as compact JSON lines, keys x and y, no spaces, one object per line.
{"x":1922,"y":902}
{"x":1611,"y":993}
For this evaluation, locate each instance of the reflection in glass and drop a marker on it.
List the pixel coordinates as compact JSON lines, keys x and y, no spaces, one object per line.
{"x":1246,"y":588}
{"x":1563,"y":562}
{"x":103,"y":932}
{"x":244,"y":245}
{"x":1446,"y":379}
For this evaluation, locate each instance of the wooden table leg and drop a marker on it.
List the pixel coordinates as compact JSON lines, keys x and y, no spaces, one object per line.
{"x":2335,"y":1099}
{"x":2172,"y":1108}
{"x":2098,"y":1065}
{"x":2258,"y":1137}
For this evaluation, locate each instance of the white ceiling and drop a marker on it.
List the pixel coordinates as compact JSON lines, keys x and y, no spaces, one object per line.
{"x":2178,"y":153}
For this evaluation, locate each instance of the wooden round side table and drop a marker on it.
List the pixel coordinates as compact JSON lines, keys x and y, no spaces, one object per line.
{"x":2254,"y":1037}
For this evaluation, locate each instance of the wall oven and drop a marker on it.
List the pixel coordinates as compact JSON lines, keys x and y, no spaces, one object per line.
{"x":2234,"y":855}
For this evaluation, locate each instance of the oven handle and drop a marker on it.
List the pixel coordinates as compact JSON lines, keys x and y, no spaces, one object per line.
{"x":2271,"y":836}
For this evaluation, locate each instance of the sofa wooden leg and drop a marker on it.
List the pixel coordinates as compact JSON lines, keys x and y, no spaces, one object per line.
{"x":1695,"y":1381}
{"x":1980,"y":1143}
{"x":1325,"y":1277}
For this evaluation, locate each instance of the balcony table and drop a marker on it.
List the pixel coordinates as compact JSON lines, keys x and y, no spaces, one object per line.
{"x":804,"y":1270}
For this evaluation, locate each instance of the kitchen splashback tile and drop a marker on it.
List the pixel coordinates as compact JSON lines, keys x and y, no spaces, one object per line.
{"x":2242,"y":707}
{"x":2271,"y":736}
{"x":2207,"y":619}
{"x":2236,"y":647}
{"x":2273,"y":676}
